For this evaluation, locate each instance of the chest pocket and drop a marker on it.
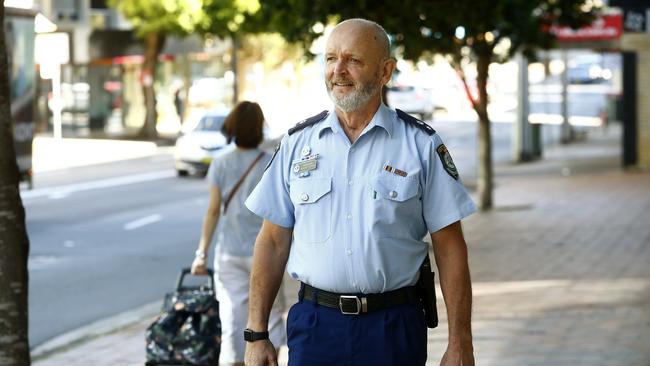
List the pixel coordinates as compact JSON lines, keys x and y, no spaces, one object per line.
{"x":312,"y":200}
{"x":394,"y":188}
{"x":396,"y":209}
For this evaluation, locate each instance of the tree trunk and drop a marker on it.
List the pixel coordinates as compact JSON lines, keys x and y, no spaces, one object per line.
{"x":485,"y":174}
{"x":234,"y":65}
{"x":14,"y":244}
{"x":153,"y":43}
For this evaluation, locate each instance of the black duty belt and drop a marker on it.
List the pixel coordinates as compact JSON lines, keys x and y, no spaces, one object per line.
{"x":359,"y":304}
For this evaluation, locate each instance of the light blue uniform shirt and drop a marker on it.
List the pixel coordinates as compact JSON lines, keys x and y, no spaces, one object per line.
{"x":238,"y":228}
{"x":358,"y":222}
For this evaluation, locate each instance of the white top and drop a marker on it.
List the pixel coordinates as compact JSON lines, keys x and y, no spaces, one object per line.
{"x":238,"y":228}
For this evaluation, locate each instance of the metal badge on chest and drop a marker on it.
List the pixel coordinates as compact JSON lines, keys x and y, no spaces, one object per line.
{"x":306,"y":163}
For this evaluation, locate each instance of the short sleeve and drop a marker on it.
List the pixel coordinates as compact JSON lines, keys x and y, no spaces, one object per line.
{"x":216,"y":176}
{"x":270,"y":199}
{"x":445,"y":199}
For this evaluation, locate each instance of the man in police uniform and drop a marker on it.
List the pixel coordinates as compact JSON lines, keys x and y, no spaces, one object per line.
{"x":357,"y":189}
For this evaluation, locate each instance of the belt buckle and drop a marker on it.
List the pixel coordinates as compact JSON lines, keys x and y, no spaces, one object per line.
{"x":357,"y":300}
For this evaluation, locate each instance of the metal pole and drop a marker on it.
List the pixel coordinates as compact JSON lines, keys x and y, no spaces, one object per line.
{"x":567,"y":133}
{"x":56,"y":102}
{"x":521,"y":134}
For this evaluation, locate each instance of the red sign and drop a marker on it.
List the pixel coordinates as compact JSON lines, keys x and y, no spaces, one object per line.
{"x":605,"y":27}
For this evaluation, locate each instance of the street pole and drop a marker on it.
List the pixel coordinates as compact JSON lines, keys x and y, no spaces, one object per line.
{"x":51,"y":50}
{"x":521,"y":129}
{"x":56,"y":102}
{"x":566,"y":130}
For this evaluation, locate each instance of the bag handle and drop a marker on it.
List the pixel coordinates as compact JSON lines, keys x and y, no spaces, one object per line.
{"x":188,"y":271}
{"x":240,"y":181}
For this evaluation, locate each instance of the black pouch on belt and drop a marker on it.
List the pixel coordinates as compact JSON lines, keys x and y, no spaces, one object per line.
{"x":427,"y":292}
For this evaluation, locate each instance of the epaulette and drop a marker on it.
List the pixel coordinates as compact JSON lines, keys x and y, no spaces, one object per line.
{"x":308,"y":122}
{"x":415,"y":122}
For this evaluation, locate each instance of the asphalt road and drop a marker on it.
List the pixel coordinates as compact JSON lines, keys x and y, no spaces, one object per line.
{"x":107,"y":238}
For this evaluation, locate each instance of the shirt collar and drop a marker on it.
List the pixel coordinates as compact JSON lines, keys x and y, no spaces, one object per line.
{"x":383,"y":118}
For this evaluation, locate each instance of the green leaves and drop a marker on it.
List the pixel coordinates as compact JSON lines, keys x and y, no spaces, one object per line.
{"x":183,"y":17}
{"x":419,"y":27}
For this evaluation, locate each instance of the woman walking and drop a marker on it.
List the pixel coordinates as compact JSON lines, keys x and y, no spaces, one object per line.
{"x":232,"y":177}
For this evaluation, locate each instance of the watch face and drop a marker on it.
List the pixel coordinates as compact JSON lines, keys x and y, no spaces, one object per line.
{"x":248,"y":335}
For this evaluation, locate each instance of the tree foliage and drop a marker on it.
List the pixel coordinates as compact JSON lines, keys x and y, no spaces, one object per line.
{"x":424,"y":27}
{"x":161,"y":16}
{"x":155,"y":20}
{"x":467,"y":31}
{"x":183,"y":17}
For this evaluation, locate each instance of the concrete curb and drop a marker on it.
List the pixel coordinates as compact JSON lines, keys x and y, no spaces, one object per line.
{"x":96,"y":329}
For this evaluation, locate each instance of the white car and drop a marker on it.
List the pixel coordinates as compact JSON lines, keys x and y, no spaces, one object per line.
{"x":412,"y":100}
{"x":201,"y":142}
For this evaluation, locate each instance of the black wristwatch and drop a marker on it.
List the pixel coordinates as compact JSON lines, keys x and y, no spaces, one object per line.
{"x":252,"y":336}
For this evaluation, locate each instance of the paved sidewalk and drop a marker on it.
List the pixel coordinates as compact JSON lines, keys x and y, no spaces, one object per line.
{"x":53,"y":154}
{"x":560,"y":269}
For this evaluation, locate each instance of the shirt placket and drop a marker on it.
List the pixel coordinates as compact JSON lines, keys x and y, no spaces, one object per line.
{"x":354,"y":215}
{"x":349,"y":226}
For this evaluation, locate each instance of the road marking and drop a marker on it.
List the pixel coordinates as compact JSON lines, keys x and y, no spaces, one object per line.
{"x":147,"y":220}
{"x":65,"y":191}
{"x":36,"y":262}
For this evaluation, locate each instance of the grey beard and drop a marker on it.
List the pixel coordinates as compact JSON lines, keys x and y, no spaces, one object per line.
{"x":355,"y":100}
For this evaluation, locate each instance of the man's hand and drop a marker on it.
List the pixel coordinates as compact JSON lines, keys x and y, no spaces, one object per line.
{"x":458,"y":356}
{"x":260,"y":353}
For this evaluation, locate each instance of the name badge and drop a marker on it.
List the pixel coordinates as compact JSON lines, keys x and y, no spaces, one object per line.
{"x":304,"y":165}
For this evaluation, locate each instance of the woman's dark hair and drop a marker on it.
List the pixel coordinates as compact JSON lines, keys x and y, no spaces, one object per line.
{"x":244,"y":124}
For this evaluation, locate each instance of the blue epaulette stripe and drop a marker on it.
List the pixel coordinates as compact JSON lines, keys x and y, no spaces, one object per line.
{"x":415,"y":122}
{"x":308,"y":122}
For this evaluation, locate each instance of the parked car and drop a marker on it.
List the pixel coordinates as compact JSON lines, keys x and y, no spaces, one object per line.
{"x":199,"y":143}
{"x":587,"y":73}
{"x":588,"y":69}
{"x":412,"y":100}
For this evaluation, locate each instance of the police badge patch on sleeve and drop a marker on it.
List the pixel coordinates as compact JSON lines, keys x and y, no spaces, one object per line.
{"x":447,"y":162}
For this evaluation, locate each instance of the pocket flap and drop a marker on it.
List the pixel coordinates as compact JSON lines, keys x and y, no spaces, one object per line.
{"x":303,"y":191}
{"x":394,"y":188}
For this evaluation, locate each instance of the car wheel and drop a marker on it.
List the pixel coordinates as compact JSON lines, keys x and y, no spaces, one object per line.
{"x":182,"y":173}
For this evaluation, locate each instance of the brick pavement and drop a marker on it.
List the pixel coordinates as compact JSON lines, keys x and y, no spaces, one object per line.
{"x":560,"y":269}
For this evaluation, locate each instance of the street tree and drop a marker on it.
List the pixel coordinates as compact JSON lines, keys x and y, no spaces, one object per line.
{"x":467,"y":32}
{"x":155,"y":20}
{"x":14,"y":243}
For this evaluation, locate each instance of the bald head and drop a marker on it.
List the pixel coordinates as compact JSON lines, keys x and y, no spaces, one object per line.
{"x":357,"y":65}
{"x":367,"y":29}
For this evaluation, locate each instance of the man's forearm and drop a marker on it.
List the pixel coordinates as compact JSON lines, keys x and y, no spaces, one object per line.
{"x":457,"y":291}
{"x":269,"y":261}
{"x":451,"y":257}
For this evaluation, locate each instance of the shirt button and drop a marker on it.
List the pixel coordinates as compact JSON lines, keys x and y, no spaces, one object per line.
{"x":304,"y":197}
{"x":349,"y":182}
{"x":392,"y":194}
{"x":349,"y":216}
{"x":349,"y":251}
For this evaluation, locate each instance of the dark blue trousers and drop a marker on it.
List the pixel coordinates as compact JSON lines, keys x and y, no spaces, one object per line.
{"x":322,"y":336}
